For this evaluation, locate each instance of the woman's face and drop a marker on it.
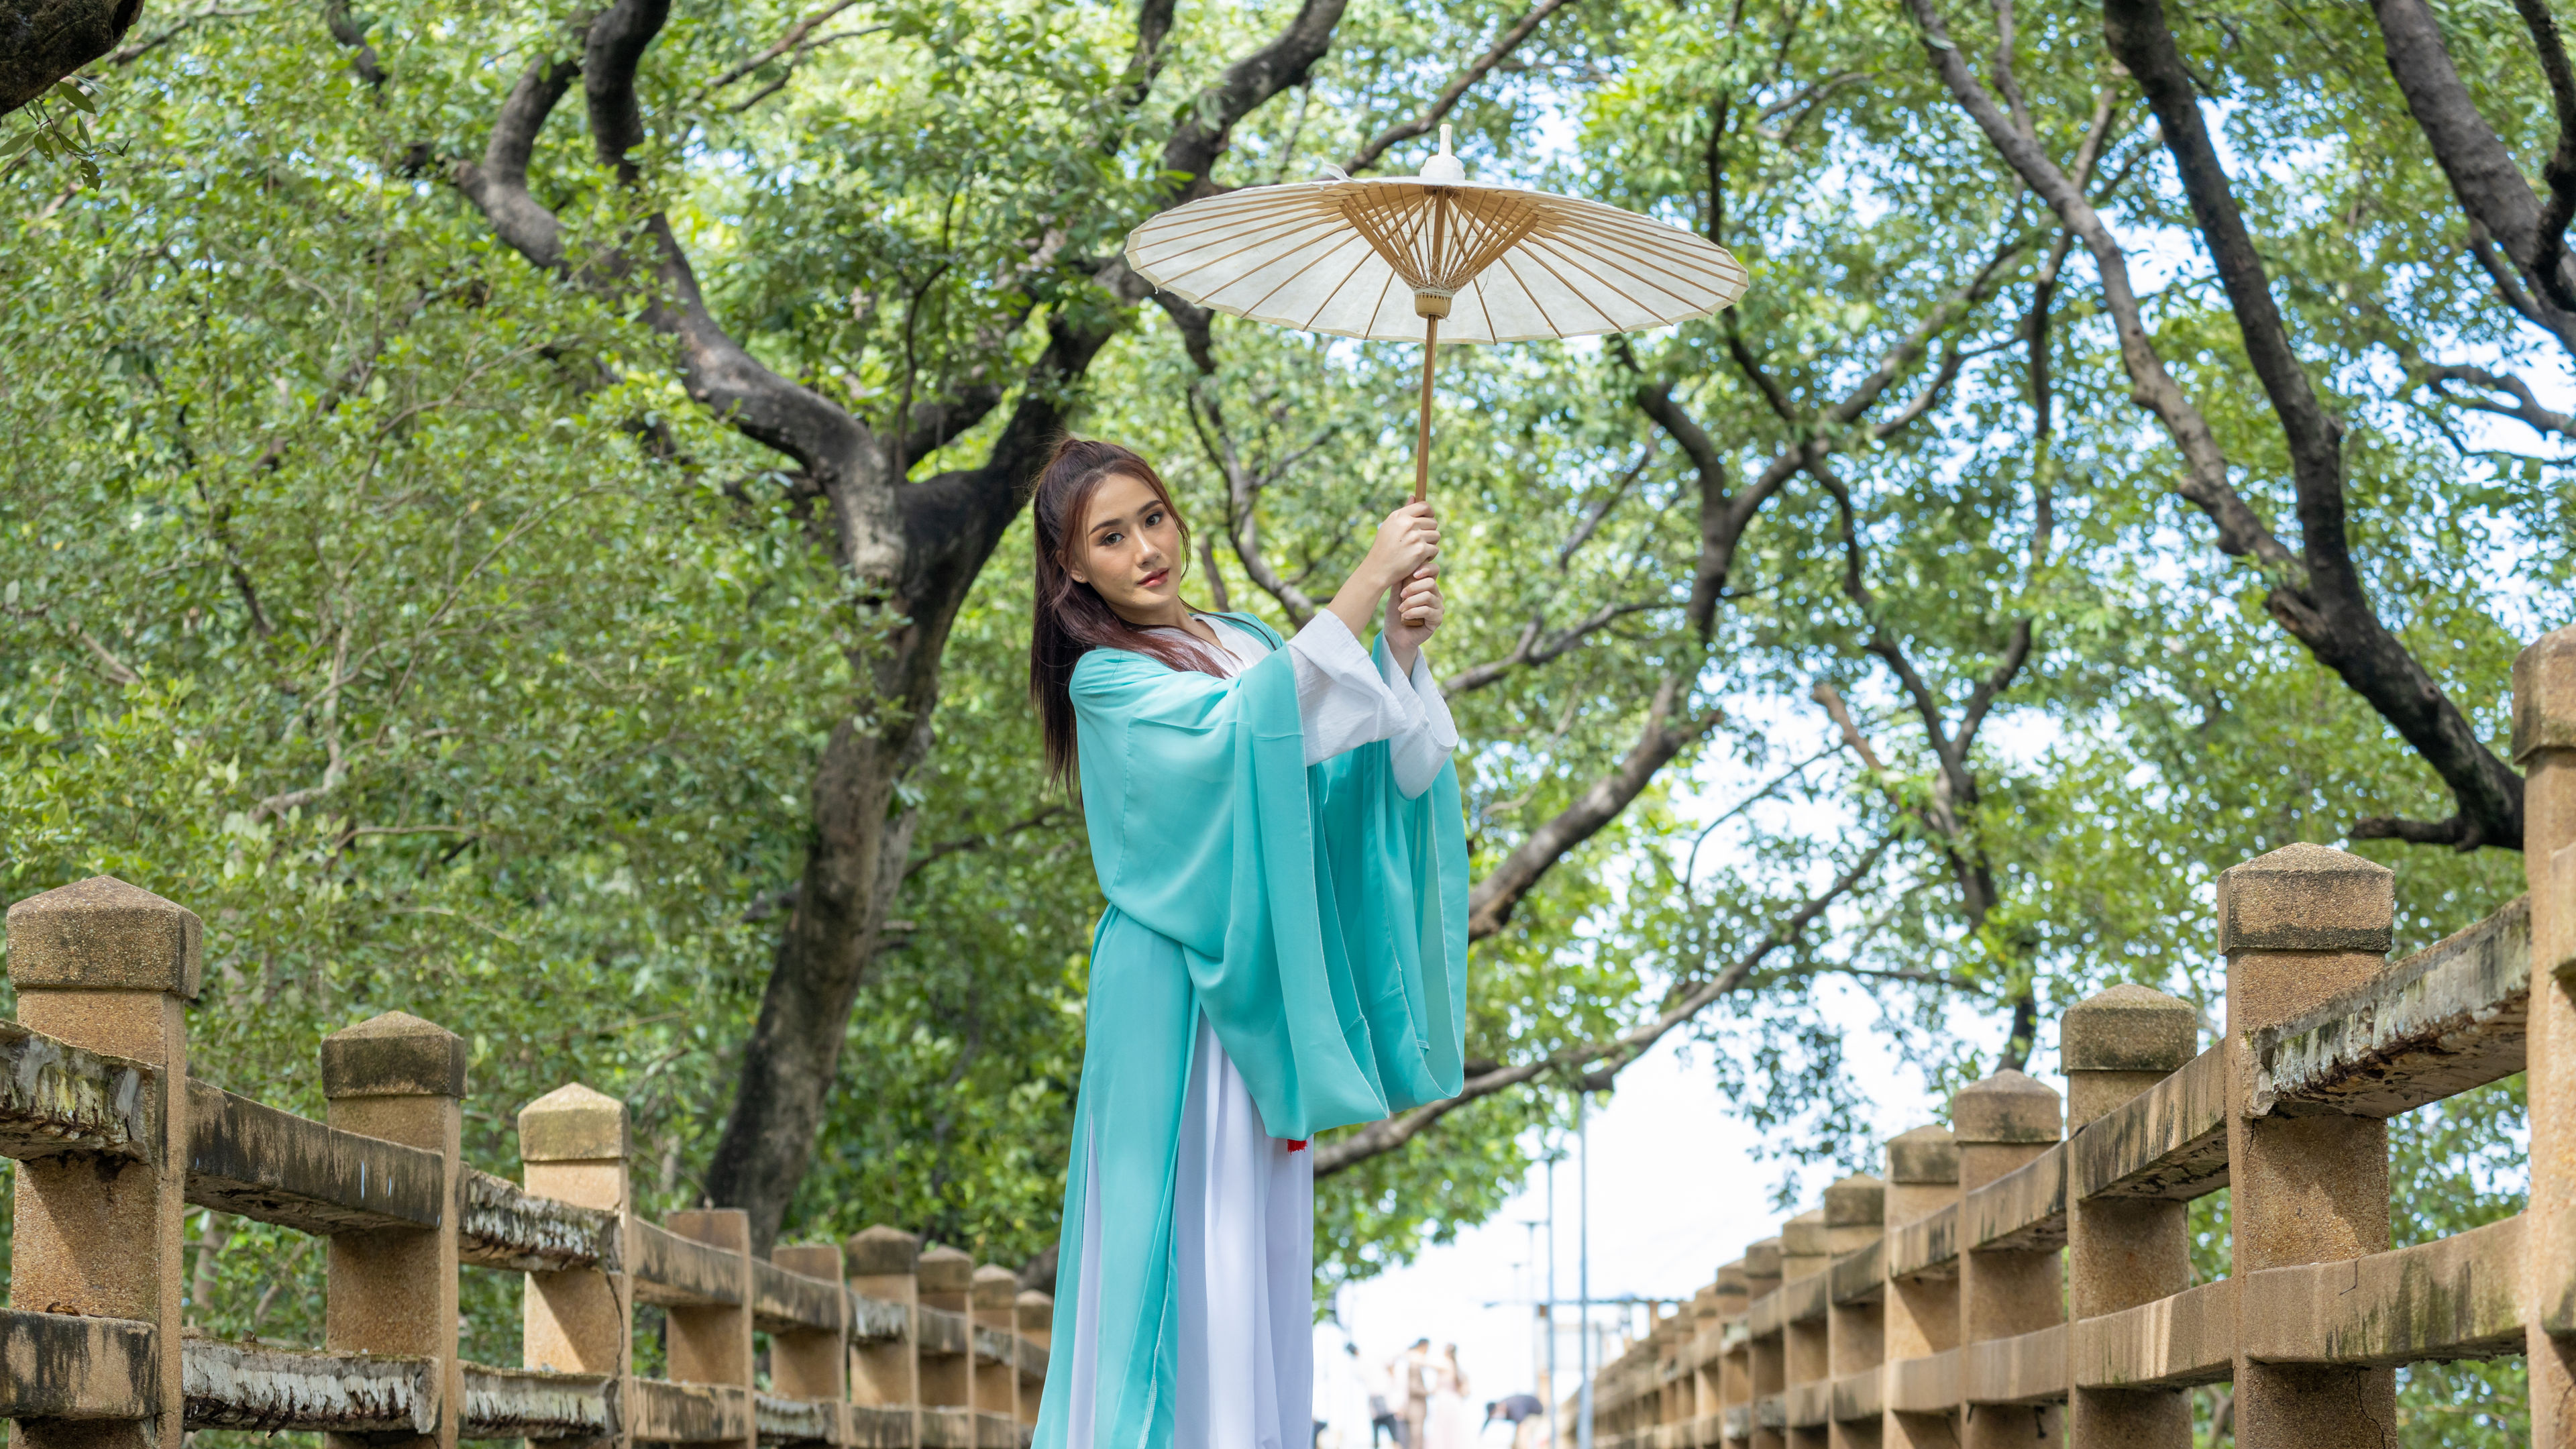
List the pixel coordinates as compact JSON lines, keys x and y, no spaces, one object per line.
{"x":1129,"y":550}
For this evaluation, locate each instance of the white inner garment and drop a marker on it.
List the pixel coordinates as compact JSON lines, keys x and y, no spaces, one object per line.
{"x":1243,"y":1205}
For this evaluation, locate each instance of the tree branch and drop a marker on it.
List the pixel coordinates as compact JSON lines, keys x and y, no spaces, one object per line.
{"x":1491,"y":902}
{"x":1445,"y":102}
{"x":1379,"y":1138}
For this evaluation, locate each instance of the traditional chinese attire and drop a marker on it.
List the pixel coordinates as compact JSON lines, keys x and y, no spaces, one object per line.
{"x":1284,"y":951}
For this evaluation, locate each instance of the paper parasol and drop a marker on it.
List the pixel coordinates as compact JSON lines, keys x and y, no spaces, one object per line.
{"x":1406,"y":258}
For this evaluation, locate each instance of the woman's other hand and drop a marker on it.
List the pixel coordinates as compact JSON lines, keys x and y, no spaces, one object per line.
{"x":1405,"y":546}
{"x":1409,"y":539}
{"x":1413,"y":613}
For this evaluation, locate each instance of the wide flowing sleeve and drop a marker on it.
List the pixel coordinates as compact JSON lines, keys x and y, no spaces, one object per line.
{"x":1321,"y":913}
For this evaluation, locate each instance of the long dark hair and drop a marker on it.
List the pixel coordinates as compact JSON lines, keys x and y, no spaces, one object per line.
{"x":1071,"y":619}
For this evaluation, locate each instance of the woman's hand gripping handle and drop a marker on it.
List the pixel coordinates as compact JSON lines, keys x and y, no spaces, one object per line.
{"x":1401,"y":569}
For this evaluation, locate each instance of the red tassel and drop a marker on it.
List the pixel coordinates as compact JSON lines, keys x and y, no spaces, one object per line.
{"x":1301,"y":1145}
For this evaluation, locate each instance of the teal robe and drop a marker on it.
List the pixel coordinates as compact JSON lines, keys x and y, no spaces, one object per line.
{"x":1314,"y":914}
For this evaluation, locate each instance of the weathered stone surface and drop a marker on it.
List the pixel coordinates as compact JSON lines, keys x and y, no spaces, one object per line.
{"x":1926,"y":1385}
{"x":796,"y":1421}
{"x":260,"y":1387}
{"x":878,"y":1428}
{"x":1762,"y":1262}
{"x":2028,"y":1368}
{"x":2007,"y":1107}
{"x":1856,"y":1201}
{"x":506,"y":1226}
{"x":1808,"y":1405}
{"x":505,"y":1403}
{"x":2544,"y":696}
{"x":2306,"y":898}
{"x":2450,"y":1017}
{"x":1859,"y":1276}
{"x":1924,"y":1156}
{"x":572,"y":1123}
{"x":101,"y":934}
{"x":62,"y":1366}
{"x":876,"y":1320}
{"x":784,"y":1301}
{"x":2189,"y":1338}
{"x":393,"y":1055}
{"x":57,"y":1098}
{"x":1035,"y":1312}
{"x":2023,"y":1209}
{"x":993,"y":1345}
{"x":248,"y":1158}
{"x":880,"y":1251}
{"x":942,"y":1332}
{"x":1799,"y":1300}
{"x":2449,"y":1299}
{"x":669,"y":1413}
{"x":994,"y":1288}
{"x":679,"y":1272}
{"x":2170,"y":1141}
{"x":945,"y":1272}
{"x":1857,"y":1397}
{"x":2128,"y":1028}
{"x":1802,"y":1244}
{"x":1927,"y":1247}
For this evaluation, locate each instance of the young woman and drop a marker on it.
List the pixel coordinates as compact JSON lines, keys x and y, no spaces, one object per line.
{"x":1276,"y":827}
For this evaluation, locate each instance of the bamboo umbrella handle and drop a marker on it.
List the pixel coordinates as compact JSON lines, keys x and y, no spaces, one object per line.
{"x":1422,"y":435}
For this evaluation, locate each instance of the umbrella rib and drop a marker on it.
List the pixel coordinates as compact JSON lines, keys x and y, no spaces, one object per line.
{"x":1572,"y":290}
{"x":1229,"y":256}
{"x":1658,"y":252}
{"x":1600,"y":266}
{"x":1532,"y":293}
{"x":1319,"y":260}
{"x":1577,"y":261}
{"x":1337,"y":291}
{"x":1679,"y":286}
{"x":1226,"y":229}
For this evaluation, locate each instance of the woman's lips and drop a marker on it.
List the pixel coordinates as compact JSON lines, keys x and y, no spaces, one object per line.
{"x":1154,"y":580}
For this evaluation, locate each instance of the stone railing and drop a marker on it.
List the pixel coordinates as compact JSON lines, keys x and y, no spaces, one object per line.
{"x":2007,"y":1284}
{"x":870,"y":1343}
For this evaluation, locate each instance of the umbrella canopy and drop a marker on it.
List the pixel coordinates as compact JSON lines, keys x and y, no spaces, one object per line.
{"x":1379,"y":258}
{"x":1412,"y":258}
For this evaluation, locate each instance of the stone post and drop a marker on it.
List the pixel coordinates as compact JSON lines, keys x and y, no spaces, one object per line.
{"x":995,"y":1293}
{"x":1922,"y":1313}
{"x":2124,"y":1251}
{"x":109,"y":967}
{"x":1726,"y":1383}
{"x":393,"y":1290}
{"x":808,"y":1363}
{"x":1700,"y":1394}
{"x":948,"y":1284}
{"x":1856,"y":1332}
{"x":886,"y":1375}
{"x":1765,"y":1363}
{"x":712,"y":1344}
{"x":2001,"y":1123}
{"x":575,"y":1146}
{"x":2544,"y":745}
{"x":1036,"y":1313}
{"x":1803,"y":1255}
{"x":2299,"y":927}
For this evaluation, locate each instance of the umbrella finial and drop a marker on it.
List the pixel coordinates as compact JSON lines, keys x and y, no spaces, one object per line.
{"x":1443,"y":167}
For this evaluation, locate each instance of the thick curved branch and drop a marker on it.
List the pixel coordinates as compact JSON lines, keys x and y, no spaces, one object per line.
{"x":2330,"y":609}
{"x":1450,"y":94}
{"x":1206,"y":124}
{"x":2482,"y":172}
{"x":1379,"y":1138}
{"x":1490,"y":903}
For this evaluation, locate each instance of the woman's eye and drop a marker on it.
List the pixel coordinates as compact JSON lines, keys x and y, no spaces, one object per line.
{"x":1153,"y":519}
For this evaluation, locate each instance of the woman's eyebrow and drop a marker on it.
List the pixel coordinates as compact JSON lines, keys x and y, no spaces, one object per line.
{"x":1107,"y":523}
